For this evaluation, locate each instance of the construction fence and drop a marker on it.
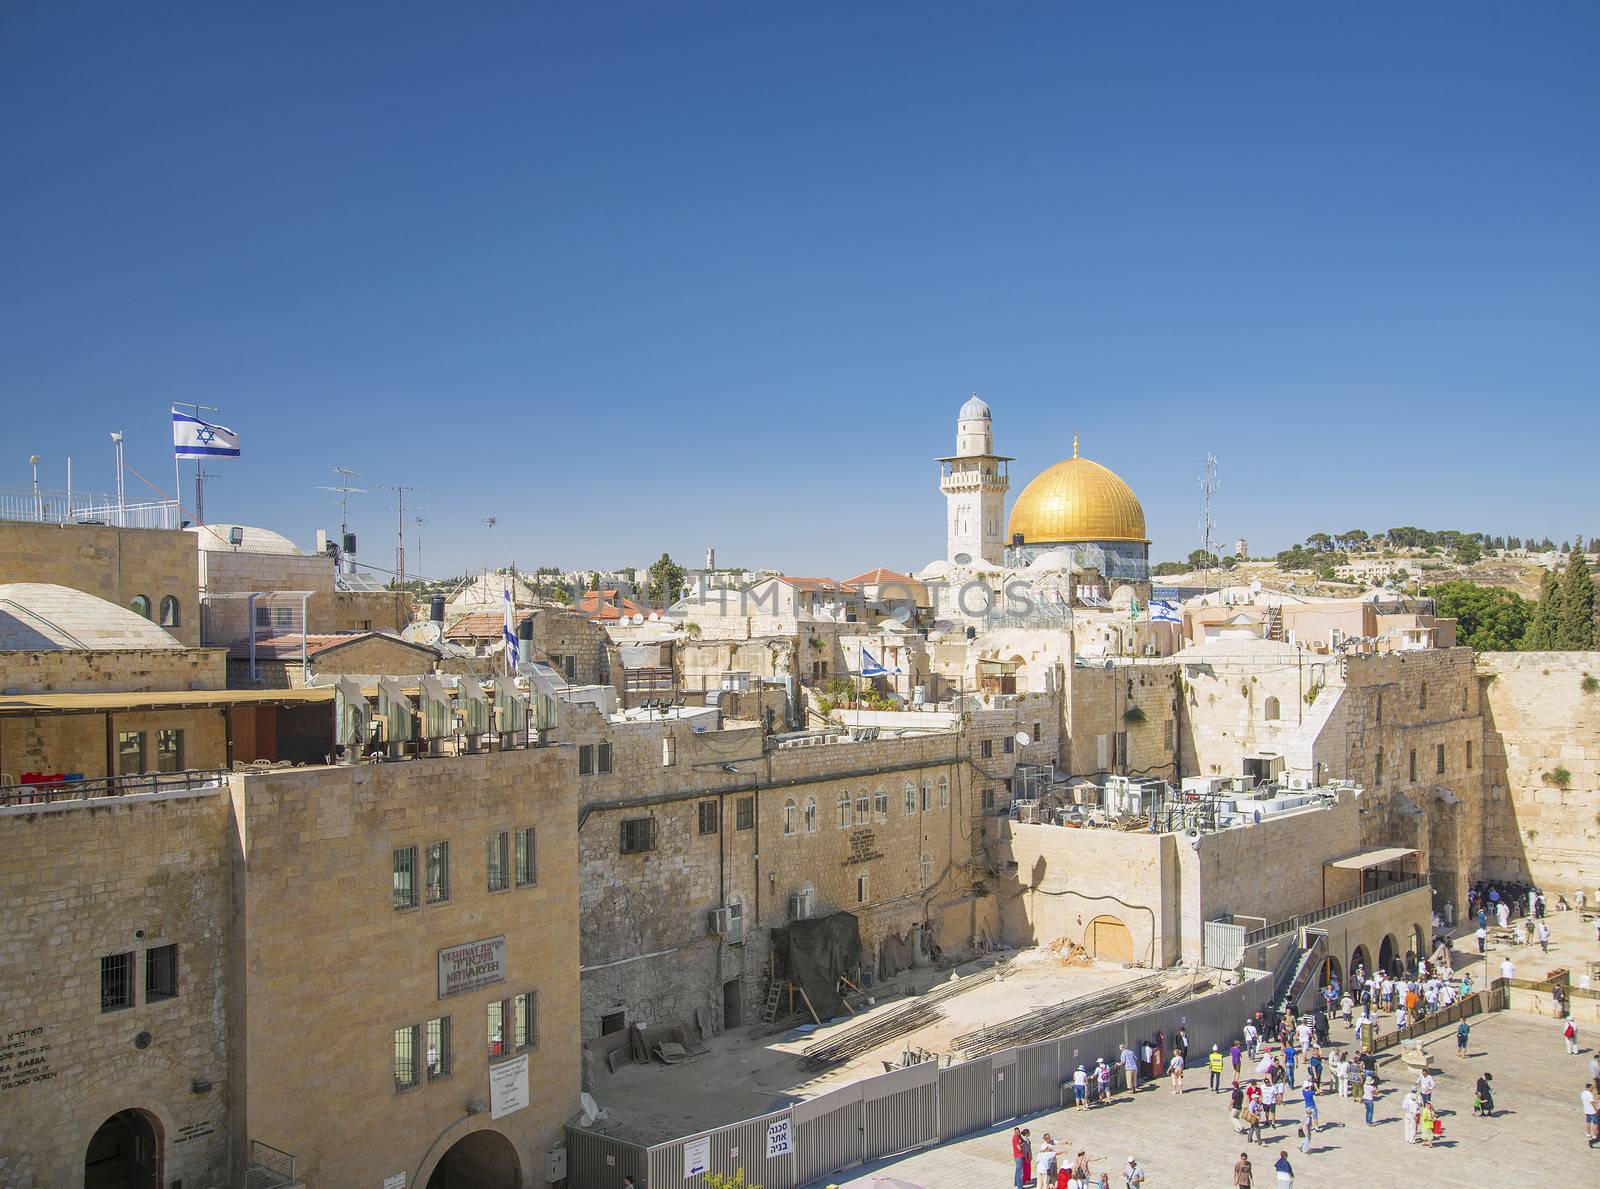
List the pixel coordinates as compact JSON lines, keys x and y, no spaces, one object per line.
{"x":904,"y":1109}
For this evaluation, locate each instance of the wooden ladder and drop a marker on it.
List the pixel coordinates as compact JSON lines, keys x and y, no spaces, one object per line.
{"x":769,"y":1010}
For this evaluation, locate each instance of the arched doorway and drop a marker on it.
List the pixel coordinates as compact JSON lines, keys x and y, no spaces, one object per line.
{"x":1419,"y":941}
{"x":1331,"y":970}
{"x":1108,"y":938}
{"x":1361,"y":960}
{"x":1387,"y":954}
{"x":482,"y":1160}
{"x":125,"y":1153}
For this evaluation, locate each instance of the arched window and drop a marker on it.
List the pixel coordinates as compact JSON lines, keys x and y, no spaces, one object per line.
{"x":911,"y":797}
{"x":863,"y":807}
{"x":944,"y":792}
{"x":880,"y":805}
{"x":140,"y":605}
{"x":811,"y":815}
{"x":788,"y":815}
{"x":1273,"y":709}
{"x":169,"y":612}
{"x":844,"y":810}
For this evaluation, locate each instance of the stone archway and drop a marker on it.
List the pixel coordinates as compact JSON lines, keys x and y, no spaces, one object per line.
{"x":1388,"y":951}
{"x":124,"y":1153}
{"x":1331,"y":970}
{"x":1108,"y":939}
{"x":478,"y":1160}
{"x":1361,"y":959}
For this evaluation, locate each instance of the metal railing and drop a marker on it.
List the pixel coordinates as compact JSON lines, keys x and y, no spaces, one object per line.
{"x":269,"y":1167}
{"x":83,"y":507}
{"x":45,"y":790}
{"x":1296,"y":923}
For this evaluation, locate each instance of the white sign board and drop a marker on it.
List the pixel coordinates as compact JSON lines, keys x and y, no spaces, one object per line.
{"x":395,"y":1181}
{"x":697,"y":1156}
{"x":508,"y":1087}
{"x":472,"y":966}
{"x":778,"y":1138}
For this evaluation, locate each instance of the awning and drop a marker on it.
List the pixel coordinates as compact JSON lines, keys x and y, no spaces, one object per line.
{"x":1373,"y":858}
{"x":164,"y":700}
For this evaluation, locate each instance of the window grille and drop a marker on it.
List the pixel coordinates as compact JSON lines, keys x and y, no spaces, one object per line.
{"x":405,"y":877}
{"x":160,"y":973}
{"x":527,"y":856}
{"x":116,"y":982}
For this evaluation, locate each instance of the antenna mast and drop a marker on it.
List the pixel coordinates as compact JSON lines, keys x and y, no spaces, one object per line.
{"x":400,"y":490}
{"x":1208,"y":487}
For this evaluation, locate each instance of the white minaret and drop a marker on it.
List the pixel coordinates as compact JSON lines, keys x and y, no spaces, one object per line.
{"x":974,"y":481}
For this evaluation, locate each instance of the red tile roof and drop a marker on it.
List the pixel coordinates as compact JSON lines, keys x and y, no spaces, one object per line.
{"x":481,"y":625}
{"x":606,"y":605}
{"x":881,"y":577}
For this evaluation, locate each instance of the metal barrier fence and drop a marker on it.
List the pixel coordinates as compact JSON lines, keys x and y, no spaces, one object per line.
{"x":903,"y":1109}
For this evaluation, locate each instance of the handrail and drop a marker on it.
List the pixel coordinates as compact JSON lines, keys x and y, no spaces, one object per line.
{"x":50,"y":792}
{"x":1296,"y":923}
{"x":274,"y":1161}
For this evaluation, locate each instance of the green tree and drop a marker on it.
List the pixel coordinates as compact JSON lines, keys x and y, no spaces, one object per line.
{"x":1574,"y":630}
{"x":1488,"y":618}
{"x":1199,"y":559}
{"x":1468,"y":551}
{"x":665,"y":580}
{"x":1541,"y":634}
{"x":1162,"y":568}
{"x":715,"y":1180}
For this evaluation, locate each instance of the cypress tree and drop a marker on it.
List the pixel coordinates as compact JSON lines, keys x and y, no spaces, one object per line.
{"x":1574,"y":630}
{"x":1546,"y":615}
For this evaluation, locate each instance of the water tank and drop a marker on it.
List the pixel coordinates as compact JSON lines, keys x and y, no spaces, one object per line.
{"x":525,"y":634}
{"x":435,"y":605}
{"x":350,"y":544}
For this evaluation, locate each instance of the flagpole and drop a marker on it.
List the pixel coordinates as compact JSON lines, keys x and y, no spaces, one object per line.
{"x":199,"y":464}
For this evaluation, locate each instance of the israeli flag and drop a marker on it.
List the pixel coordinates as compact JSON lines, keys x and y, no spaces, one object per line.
{"x":194,"y":438}
{"x":872,"y":667}
{"x":513,"y":645}
{"x":1164,"y":612}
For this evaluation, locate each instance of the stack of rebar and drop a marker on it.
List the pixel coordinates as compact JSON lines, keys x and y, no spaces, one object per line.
{"x":1062,"y":1019}
{"x":862,"y":1038}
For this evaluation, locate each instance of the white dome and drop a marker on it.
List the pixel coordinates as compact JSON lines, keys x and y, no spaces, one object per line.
{"x":218,"y":538}
{"x":1052,"y":559}
{"x":42,"y":617}
{"x":975,"y":409}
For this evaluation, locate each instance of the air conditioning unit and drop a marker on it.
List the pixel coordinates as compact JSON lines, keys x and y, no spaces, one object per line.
{"x":728,"y":923}
{"x":1299,"y":783}
{"x":802,"y":905}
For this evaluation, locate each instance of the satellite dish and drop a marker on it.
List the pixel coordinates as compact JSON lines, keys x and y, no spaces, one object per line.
{"x":1255,"y":587}
{"x":638,"y":617}
{"x":423,"y":631}
{"x":1023,"y":738}
{"x":654,"y":615}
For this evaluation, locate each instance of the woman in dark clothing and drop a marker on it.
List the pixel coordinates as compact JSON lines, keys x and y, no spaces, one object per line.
{"x":1483,"y":1100}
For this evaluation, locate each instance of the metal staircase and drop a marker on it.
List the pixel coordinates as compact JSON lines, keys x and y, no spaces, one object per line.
{"x":1294,"y":981}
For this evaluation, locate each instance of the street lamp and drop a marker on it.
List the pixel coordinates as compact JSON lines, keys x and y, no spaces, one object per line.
{"x":38,"y":501}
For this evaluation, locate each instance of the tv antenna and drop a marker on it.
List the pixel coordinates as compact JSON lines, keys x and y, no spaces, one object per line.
{"x":400,"y":490}
{"x":345,"y":492}
{"x":1208,"y":487}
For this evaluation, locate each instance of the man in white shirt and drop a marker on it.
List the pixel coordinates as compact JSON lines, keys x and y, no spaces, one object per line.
{"x":1591,"y":1115}
{"x":1507,"y":969}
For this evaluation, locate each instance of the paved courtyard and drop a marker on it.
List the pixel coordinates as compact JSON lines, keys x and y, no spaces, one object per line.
{"x":1536,"y":1137}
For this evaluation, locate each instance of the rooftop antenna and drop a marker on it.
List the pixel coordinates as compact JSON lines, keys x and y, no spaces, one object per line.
{"x":345,"y":492}
{"x":400,"y":490}
{"x":1208,"y":487}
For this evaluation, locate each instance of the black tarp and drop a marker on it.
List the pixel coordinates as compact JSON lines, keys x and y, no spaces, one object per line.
{"x":813,"y":954}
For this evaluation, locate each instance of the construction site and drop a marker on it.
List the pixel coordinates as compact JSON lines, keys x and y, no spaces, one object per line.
{"x":946,"y":1012}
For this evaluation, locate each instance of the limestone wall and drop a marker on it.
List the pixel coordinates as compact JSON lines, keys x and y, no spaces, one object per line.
{"x":1539,"y":719}
{"x":121,"y":671}
{"x":114,"y":564}
{"x":82,"y":881}
{"x":79,"y":742}
{"x":372,"y":610}
{"x":224,"y":571}
{"x":1100,"y":701}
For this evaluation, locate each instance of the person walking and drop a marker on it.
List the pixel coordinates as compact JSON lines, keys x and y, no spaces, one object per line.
{"x":1591,"y":1113}
{"x":1569,"y":1033}
{"x":1243,"y":1174}
{"x":1482,"y":935}
{"x":1544,"y":936}
{"x":1255,"y":1115}
{"x":1425,"y":1084}
{"x":1289,"y":1054}
{"x":1463,"y":1030}
{"x":1410,"y":1107}
{"x":1080,"y":1087}
{"x":1130,"y":1069}
{"x":1133,"y":1174}
{"x":1483,"y":1096}
{"x":1308,"y":1098}
{"x":1284,"y":1171}
{"x":1175,"y":1071}
{"x":1214,"y":1063}
{"x":1047,"y":1162}
{"x":1102,"y":1080}
{"x":1367,"y":1099}
{"x":1016,"y":1155}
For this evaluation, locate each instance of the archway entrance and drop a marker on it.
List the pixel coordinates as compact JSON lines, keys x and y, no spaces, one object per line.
{"x":124,"y":1154}
{"x":482,"y":1160}
{"x":1108,"y":939}
{"x":1360,"y":960}
{"x":1331,"y":971}
{"x":1386,"y":955}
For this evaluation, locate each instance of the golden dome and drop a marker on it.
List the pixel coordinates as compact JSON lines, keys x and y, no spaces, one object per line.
{"x":1077,"y":500}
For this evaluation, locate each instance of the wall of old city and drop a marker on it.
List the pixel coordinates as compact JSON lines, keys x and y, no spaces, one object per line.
{"x":114,"y":564}
{"x":1100,"y":701}
{"x":123,"y":670}
{"x":82,"y":881}
{"x":330,"y":968}
{"x":1542,"y":776}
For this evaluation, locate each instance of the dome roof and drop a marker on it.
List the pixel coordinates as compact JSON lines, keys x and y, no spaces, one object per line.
{"x":217,"y":538}
{"x":1077,"y":500}
{"x":975,"y":409}
{"x":41,"y":617}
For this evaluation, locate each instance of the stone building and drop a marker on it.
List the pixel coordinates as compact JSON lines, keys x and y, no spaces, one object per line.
{"x":235,"y":560}
{"x":362,"y":973}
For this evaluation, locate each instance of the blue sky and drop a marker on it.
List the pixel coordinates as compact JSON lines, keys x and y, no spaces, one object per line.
{"x":634,"y":277}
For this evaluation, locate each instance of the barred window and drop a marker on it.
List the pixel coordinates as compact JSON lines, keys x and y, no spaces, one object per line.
{"x":1008,"y":745}
{"x":527,"y":856}
{"x":811,"y":815}
{"x":1413,"y":764}
{"x":986,"y":748}
{"x":438,"y":1052}
{"x":1438,"y":765}
{"x":944,"y":792}
{"x":1469,"y":755}
{"x":708,"y":817}
{"x":791,"y":813}
{"x":498,"y":1010}
{"x":169,"y":751}
{"x":527,"y":1020}
{"x":586,"y":759}
{"x":880,"y":805}
{"x":116,"y":982}
{"x":911,"y":797}
{"x":405,"y":1057}
{"x":160,"y":973}
{"x":405,"y":877}
{"x":638,"y":835}
{"x":438,"y":872}
{"x":603,"y":758}
{"x":499,"y":860}
{"x":844,"y":810}
{"x":863,"y":808}
{"x":744,"y":812}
